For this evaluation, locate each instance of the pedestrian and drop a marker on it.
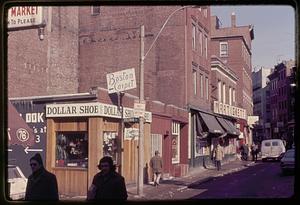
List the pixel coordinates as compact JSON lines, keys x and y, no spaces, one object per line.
{"x":156,"y":164}
{"x":218,"y":156}
{"x":107,"y":184}
{"x":254,"y":150}
{"x":41,"y":184}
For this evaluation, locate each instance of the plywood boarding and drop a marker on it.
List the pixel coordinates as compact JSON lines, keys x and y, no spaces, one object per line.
{"x":73,"y":125}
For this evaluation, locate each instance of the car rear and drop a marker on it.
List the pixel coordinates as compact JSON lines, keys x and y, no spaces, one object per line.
{"x":287,"y":162}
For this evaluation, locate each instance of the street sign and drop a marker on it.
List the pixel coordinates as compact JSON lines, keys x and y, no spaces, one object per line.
{"x":22,"y":17}
{"x":131,"y":133}
{"x":133,"y":119}
{"x":139,"y":109}
{"x":121,"y":80}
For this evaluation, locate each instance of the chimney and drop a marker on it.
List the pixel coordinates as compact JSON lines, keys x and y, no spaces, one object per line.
{"x":233,"y":20}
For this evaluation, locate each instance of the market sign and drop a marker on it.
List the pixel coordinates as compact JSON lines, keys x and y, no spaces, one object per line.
{"x":21,"y":17}
{"x":229,"y":110}
{"x":91,"y":109}
{"x":121,"y":81}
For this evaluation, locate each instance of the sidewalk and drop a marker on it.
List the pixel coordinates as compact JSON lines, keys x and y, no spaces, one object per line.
{"x":182,"y":187}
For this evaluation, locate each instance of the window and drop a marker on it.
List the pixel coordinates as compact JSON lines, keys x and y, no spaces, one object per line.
{"x":206,"y":85}
{"x":156,"y":143}
{"x":267,"y":144}
{"x":195,"y":81}
{"x":275,"y":144}
{"x":193,"y":36}
{"x":233,"y":95}
{"x":205,"y":12}
{"x":201,"y":85}
{"x":219,"y":91}
{"x":110,"y":145}
{"x":201,"y":146}
{"x":71,"y":149}
{"x":230,"y":97}
{"x":224,"y":93}
{"x":205,"y":45}
{"x":201,"y":42}
{"x":175,"y":142}
{"x":223,"y":49}
{"x":95,"y":10}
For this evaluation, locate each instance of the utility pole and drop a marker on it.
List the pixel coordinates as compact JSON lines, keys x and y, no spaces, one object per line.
{"x":141,"y":121}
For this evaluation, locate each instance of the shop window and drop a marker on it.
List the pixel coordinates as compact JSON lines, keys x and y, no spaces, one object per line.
{"x":200,"y":146}
{"x":71,"y":149}
{"x":175,"y":142}
{"x":110,"y":145}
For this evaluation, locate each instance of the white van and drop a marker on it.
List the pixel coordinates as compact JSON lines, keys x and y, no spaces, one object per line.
{"x":272,"y":149}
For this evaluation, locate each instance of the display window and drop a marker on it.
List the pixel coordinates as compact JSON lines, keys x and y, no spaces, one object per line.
{"x":71,"y":149}
{"x":110,"y":145}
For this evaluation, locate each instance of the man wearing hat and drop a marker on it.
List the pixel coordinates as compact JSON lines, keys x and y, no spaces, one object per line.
{"x":41,"y":184}
{"x":107,"y":184}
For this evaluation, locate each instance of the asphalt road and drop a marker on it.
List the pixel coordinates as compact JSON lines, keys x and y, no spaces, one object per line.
{"x":264,"y":180}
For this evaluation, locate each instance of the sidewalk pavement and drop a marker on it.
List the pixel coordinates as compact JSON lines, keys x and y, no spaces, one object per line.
{"x":182,"y":187}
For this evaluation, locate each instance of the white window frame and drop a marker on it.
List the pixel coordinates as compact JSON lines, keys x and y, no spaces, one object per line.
{"x":205,"y":12}
{"x":193,"y":36}
{"x":156,"y":143}
{"x":224,"y":93}
{"x":206,"y":44}
{"x":223,"y":52}
{"x":201,"y":86}
{"x":176,"y":132}
{"x":201,"y":42}
{"x":207,"y":88}
{"x":195,"y":81}
{"x":230,"y":96}
{"x":93,"y":13}
{"x":233,"y":95}
{"x":219,"y":91}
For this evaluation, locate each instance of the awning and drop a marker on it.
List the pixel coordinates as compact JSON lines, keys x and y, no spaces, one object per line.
{"x":211,"y":124}
{"x":228,"y":126}
{"x":19,"y":132}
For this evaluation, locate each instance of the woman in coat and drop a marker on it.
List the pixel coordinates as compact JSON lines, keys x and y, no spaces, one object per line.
{"x":41,"y":184}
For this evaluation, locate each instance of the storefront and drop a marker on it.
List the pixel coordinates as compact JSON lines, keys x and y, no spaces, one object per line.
{"x":80,"y":134}
{"x":208,"y":130}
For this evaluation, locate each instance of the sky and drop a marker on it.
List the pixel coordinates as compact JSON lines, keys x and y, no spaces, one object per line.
{"x":274,"y":31}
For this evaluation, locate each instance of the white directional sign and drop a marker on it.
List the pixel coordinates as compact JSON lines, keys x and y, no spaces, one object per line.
{"x":121,"y":80}
{"x":139,"y":109}
{"x":24,"y":16}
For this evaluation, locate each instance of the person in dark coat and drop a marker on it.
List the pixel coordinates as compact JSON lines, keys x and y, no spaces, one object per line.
{"x":41,"y":184}
{"x":107,"y":184}
{"x":156,"y":163}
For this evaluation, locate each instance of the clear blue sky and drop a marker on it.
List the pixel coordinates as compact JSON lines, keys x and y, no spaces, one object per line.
{"x":274,"y":30}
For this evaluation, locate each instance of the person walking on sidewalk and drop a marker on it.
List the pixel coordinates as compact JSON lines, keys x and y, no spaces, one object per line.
{"x":218,"y":155}
{"x":107,"y":184}
{"x":254,"y":152}
{"x":156,"y":164}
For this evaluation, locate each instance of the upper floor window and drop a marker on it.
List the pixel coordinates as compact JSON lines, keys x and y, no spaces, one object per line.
{"x":219,"y":91}
{"x":201,"y":42}
{"x":205,"y":45}
{"x":223,"y":49}
{"x":95,"y":10}
{"x":205,"y":12}
{"x":193,"y":36}
{"x":206,"y":86}
{"x":201,"y":85}
{"x":230,"y":96}
{"x":224,"y":93}
{"x":195,"y":81}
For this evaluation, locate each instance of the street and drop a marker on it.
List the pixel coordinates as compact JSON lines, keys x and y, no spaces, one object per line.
{"x":263,"y":180}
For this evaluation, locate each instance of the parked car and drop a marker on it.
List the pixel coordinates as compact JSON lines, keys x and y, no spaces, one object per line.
{"x":287,"y":162}
{"x":17,"y":182}
{"x":272,"y":149}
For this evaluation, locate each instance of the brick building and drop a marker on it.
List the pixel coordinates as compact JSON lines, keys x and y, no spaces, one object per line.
{"x":280,"y":96}
{"x":233,"y":46}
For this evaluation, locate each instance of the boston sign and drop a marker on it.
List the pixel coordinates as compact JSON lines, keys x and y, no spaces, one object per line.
{"x":91,"y":109}
{"x":121,"y":80}
{"x":24,"y":16}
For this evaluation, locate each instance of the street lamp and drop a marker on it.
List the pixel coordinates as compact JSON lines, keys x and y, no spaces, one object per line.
{"x":140,"y":180}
